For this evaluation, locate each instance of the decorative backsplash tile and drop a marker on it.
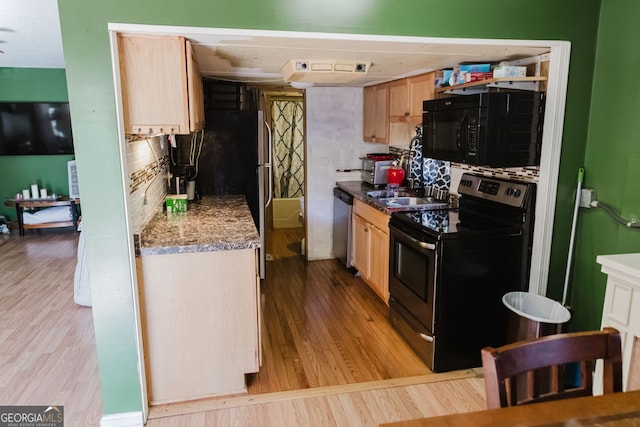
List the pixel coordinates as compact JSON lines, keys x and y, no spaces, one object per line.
{"x":415,"y":167}
{"x":148,"y":164}
{"x":436,"y":178}
{"x":142,"y":176}
{"x":527,"y":174}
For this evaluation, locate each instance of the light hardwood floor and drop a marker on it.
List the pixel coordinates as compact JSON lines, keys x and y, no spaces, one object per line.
{"x":329,"y":359}
{"x":47,"y":343}
{"x":323,"y":326}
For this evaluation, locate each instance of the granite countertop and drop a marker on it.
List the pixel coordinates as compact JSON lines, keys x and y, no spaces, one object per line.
{"x":215,"y":223}
{"x":359,"y":190}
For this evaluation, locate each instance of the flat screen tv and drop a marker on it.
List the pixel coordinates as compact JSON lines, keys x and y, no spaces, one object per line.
{"x":35,"y":128}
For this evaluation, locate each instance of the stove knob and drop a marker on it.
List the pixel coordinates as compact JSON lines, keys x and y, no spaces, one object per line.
{"x":509,"y":191}
{"x":517,"y":193}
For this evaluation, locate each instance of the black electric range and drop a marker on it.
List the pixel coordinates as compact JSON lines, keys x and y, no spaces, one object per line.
{"x":448,"y":270}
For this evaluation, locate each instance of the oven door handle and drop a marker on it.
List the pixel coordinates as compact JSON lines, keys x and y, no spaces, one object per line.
{"x":424,"y":245}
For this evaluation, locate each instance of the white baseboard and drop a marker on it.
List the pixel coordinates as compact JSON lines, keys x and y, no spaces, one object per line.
{"x":125,"y":419}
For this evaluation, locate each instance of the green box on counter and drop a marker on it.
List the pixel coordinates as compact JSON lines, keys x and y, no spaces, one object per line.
{"x":176,"y":203}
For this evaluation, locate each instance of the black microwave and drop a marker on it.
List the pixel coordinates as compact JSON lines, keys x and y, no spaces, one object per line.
{"x":495,"y":129}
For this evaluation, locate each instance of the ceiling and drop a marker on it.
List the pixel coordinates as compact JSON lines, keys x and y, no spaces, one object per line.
{"x":30,"y":34}
{"x":260,"y":58}
{"x":30,"y":38}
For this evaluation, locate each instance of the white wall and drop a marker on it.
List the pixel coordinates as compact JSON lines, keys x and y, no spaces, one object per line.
{"x":334,"y":141}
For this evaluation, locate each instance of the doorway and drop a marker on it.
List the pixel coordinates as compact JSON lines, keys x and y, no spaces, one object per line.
{"x":558,"y":75}
{"x":285,"y":115}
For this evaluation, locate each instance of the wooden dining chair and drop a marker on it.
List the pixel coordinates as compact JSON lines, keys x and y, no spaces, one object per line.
{"x":535,"y":370}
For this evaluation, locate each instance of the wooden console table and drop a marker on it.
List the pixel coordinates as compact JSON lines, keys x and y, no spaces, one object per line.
{"x":21,"y":204}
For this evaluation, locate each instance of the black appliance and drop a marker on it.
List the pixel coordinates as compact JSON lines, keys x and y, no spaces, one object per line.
{"x":235,"y":159}
{"x":448,"y":270}
{"x":495,"y":129}
{"x":35,"y":128}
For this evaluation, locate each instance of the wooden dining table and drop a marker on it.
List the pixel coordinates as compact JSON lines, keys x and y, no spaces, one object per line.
{"x":615,"y":409}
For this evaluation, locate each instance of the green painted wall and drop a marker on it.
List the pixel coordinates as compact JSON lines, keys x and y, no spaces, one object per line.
{"x":87,"y":56}
{"x":19,"y":172}
{"x":612,"y":161}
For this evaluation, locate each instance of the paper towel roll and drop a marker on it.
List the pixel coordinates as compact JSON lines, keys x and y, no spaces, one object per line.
{"x":34,"y":191}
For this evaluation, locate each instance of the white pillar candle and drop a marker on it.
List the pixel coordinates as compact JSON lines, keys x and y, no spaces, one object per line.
{"x":25,"y":194}
{"x":34,"y":191}
{"x":43,"y":193}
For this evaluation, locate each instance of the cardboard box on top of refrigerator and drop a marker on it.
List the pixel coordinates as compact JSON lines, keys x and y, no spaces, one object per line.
{"x":474,"y":77}
{"x":442,"y":77}
{"x":176,"y":203}
{"x":509,"y":71}
{"x":474,"y":68}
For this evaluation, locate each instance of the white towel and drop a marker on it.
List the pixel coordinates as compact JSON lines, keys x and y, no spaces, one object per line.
{"x":54,"y":214}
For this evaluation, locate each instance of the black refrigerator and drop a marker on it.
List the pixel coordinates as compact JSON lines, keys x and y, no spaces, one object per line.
{"x":236,"y":160}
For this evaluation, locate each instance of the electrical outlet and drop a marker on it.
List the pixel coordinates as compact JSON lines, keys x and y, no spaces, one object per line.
{"x":586,"y":197}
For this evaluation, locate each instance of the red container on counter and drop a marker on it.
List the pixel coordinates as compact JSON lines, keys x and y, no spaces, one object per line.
{"x":395,"y":175}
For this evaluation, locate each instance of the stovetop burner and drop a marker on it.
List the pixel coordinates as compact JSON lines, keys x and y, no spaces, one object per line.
{"x":451,"y":222}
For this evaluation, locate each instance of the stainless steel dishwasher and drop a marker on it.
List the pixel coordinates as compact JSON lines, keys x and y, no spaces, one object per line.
{"x":342,"y":233}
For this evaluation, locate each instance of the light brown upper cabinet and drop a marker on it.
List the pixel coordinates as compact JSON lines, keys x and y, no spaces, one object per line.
{"x":375,"y":122}
{"x":406,"y":96}
{"x":161,"y":85}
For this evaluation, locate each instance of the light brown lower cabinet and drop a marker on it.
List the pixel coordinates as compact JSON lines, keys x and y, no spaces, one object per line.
{"x":371,"y":247}
{"x":200,"y":317}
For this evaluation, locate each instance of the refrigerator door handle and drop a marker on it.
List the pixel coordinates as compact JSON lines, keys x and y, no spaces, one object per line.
{"x":269,"y":165}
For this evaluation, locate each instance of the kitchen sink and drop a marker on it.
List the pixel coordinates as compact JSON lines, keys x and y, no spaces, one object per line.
{"x":377,"y":194}
{"x":405,"y":200}
{"x":413,"y":202}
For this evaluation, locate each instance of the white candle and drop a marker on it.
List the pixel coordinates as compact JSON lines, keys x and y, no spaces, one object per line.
{"x":34,"y":191}
{"x":25,"y":194}
{"x":43,"y":193}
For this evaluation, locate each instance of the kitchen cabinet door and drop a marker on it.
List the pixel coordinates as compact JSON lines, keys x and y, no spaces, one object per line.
{"x":375,"y":124}
{"x":406,"y":96}
{"x":420,"y":89}
{"x":200,"y":323}
{"x":379,"y":262}
{"x":405,"y":106}
{"x":399,"y":100}
{"x":371,"y":247}
{"x":161,"y":85}
{"x":361,"y":245}
{"x":195,"y":90}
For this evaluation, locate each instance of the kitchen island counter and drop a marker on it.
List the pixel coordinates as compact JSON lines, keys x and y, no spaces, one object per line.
{"x":199,"y":290}
{"x":215,"y":223}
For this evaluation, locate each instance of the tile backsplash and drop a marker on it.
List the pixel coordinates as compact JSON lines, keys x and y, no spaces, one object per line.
{"x":436,"y":178}
{"x":148,"y":164}
{"x":527,"y":174}
{"x":445,"y":176}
